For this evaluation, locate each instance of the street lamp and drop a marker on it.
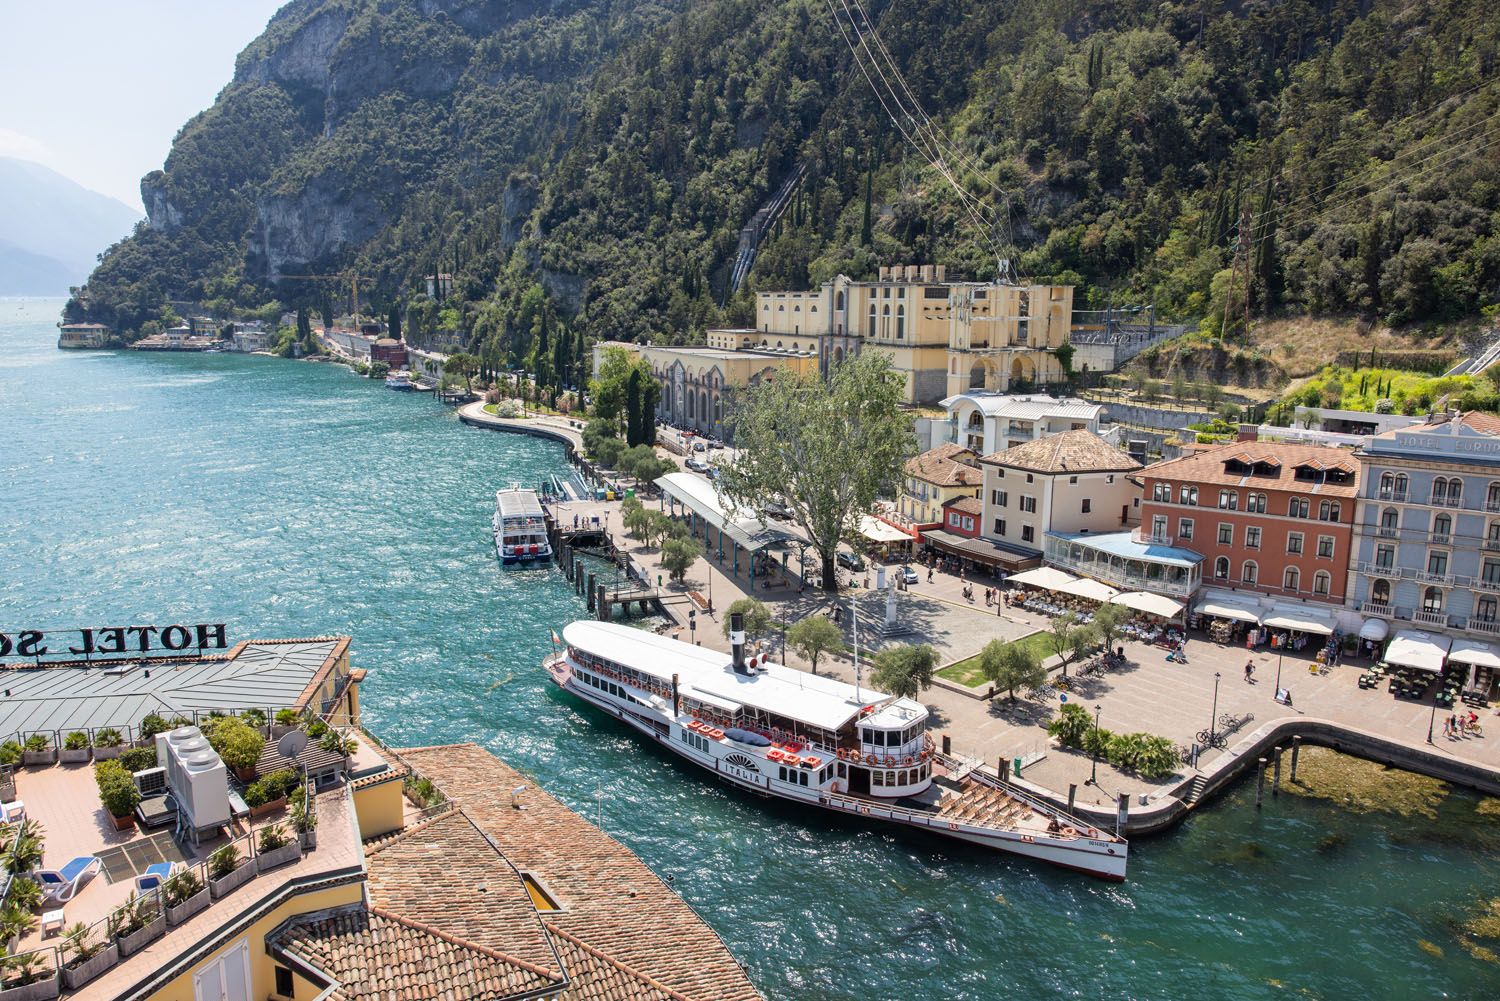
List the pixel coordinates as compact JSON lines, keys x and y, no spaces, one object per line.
{"x":1213,"y":716}
{"x":1094,"y":752}
{"x":781,"y":620}
{"x":1432,"y":720}
{"x":1279,"y":654}
{"x":693,"y":626}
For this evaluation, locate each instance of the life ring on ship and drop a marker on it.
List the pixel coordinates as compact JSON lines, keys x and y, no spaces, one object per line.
{"x":1069,"y":832}
{"x":1093,"y":832}
{"x":909,"y":760}
{"x":952,"y":826}
{"x":854,"y":757}
{"x":843,"y":754}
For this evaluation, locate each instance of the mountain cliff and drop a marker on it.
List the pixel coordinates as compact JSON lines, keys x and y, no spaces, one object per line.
{"x":609,"y":152}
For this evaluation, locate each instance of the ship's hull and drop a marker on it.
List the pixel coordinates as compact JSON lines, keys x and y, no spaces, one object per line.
{"x":1100,"y":858}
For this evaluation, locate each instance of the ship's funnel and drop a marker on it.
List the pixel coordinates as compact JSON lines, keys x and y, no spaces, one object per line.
{"x":737,"y":641}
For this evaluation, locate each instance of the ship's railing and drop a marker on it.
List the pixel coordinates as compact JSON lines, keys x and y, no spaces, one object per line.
{"x":1031,"y":800}
{"x":865,"y":808}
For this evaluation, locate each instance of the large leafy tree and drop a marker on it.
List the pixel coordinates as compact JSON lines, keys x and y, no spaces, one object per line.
{"x":1011,"y":666}
{"x":813,"y":637}
{"x":828,"y":449}
{"x":904,"y":670}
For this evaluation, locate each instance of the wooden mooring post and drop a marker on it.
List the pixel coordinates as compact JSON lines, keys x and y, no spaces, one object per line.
{"x":1276,"y":771}
{"x":1122,"y":815}
{"x":1260,"y":781}
{"x":1296,"y":746}
{"x":1072,"y":795}
{"x":593,"y":592}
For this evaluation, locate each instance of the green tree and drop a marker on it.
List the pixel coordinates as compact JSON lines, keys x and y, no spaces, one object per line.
{"x":904,"y":670}
{"x":678,"y":556}
{"x":464,"y":366}
{"x":1011,"y":666}
{"x":814,"y":636}
{"x":828,"y":449}
{"x":1109,"y":620}
{"x":757,"y":618}
{"x":1063,"y":638}
{"x":1070,"y":724}
{"x":633,"y":435}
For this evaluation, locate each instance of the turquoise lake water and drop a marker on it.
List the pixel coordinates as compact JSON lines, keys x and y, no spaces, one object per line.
{"x":292,"y":499}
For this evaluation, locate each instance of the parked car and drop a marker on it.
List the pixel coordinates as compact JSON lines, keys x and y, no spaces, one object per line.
{"x":908,"y":575}
{"x":696,"y":464}
{"x":715,"y":443}
{"x":776,"y":509}
{"x":850,"y":561}
{"x":699,"y":445}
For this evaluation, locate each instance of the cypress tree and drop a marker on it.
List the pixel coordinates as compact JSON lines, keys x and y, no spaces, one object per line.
{"x":633,"y":408}
{"x":865,"y":233}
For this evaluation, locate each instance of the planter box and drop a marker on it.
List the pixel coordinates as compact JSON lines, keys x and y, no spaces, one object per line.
{"x":289,"y":852}
{"x":105,"y":753}
{"x":271,"y":807}
{"x":43,"y":990}
{"x":309,"y":839}
{"x":178,"y":913}
{"x":78,"y":974}
{"x":228,"y":884}
{"x":77,"y":757}
{"x":139,"y":939}
{"x":46,"y":757}
{"x":123,"y":823}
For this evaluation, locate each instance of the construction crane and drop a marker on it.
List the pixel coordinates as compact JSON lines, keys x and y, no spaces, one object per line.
{"x":353,"y":279}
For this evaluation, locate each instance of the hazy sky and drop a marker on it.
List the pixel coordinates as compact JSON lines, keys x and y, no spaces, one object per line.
{"x":96,"y":89}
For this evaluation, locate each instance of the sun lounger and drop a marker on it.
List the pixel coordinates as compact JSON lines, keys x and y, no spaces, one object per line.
{"x":59,"y":885}
{"x":154,"y":876}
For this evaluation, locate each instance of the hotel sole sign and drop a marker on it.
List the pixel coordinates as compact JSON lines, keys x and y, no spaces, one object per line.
{"x":114,"y":640}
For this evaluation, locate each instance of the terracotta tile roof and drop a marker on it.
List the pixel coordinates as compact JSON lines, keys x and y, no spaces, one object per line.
{"x":968,"y":505}
{"x":380,"y":778}
{"x":1483,"y":422}
{"x":1065,"y":452}
{"x":1206,"y":467}
{"x":611,"y":901}
{"x":593,"y":976}
{"x":372,"y":954}
{"x":941,"y":466}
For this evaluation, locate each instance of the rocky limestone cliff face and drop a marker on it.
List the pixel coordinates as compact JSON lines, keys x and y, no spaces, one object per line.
{"x":161,"y":214}
{"x":303,"y":60}
{"x":313,"y":225}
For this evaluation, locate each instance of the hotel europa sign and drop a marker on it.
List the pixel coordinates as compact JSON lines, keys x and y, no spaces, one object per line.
{"x":107,"y":640}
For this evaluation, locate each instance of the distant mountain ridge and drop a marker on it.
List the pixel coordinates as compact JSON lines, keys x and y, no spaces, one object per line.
{"x":52,"y":229}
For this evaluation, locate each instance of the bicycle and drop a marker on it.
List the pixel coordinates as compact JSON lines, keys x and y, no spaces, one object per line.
{"x":1213,"y":739}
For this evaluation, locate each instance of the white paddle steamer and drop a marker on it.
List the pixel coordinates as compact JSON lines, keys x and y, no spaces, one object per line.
{"x":819,"y":741}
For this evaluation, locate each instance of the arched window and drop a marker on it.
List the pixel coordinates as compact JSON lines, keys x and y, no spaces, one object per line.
{"x":1380,"y":593}
{"x":1337,"y":510}
{"x":1432,"y":600}
{"x":1492,"y":498}
{"x":872,"y":320}
{"x":1486,"y":609}
{"x":1401,"y":481}
{"x":1387,"y":484}
{"x":1320,"y":583}
{"x":885,"y":320}
{"x":1221,"y":568}
{"x":900,"y":322}
{"x":1455,"y":491}
{"x":1324,"y":510}
{"x":1250,"y":573}
{"x":1292,"y":579}
{"x":1297,"y":507}
{"x":1442,"y":525}
{"x":1440,"y":490}
{"x":1388,"y":519}
{"x":838,"y":300}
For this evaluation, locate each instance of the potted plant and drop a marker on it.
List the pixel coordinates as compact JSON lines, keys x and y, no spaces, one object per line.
{"x":254,"y":718}
{"x":286,"y":720}
{"x":117,"y":792}
{"x":15,"y":924}
{"x":76,"y":748}
{"x":23,"y":848}
{"x":336,"y":743}
{"x":228,"y":870}
{"x":152,"y":724}
{"x":275,"y":847}
{"x":141,"y":922}
{"x":138,"y":759}
{"x":25,"y":893}
{"x":27,"y":977}
{"x":108,"y":743}
{"x":186,"y":895}
{"x":10,"y":753}
{"x":238,"y":745}
{"x":302,"y":814}
{"x":38,"y":750}
{"x":84,"y":958}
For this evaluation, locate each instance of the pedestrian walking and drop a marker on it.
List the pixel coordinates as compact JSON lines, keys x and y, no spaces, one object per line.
{"x":1249,"y":670}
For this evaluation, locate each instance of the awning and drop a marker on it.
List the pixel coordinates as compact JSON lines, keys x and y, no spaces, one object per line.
{"x":1423,"y":651}
{"x":1092,"y":589}
{"x":702,"y":498}
{"x":879,"y":531}
{"x":1050,"y":578}
{"x":1374,"y":630}
{"x":980,"y":550}
{"x":1222,"y":608}
{"x":1476,"y":653}
{"x":1151,"y":604}
{"x":1301,"y":620}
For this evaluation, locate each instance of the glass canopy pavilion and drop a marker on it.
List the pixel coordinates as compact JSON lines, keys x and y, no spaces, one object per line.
{"x":1121,"y":559}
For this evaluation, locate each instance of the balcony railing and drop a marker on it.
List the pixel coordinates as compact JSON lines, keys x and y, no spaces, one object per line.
{"x":1492,"y":544}
{"x":1440,"y":538}
{"x":1488,"y":627}
{"x":1395,"y":496}
{"x":1492,"y":505}
{"x":1388,"y":532}
{"x":1486,"y":584}
{"x":1446,"y":501}
{"x":1372,"y":608}
{"x":1381,"y":570}
{"x":1430,"y":618}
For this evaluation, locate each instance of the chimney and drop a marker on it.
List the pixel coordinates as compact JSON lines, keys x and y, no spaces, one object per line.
{"x":927,"y":272}
{"x":1248,"y":432}
{"x":885,"y":273}
{"x":941,"y":271}
{"x":737,"y":642}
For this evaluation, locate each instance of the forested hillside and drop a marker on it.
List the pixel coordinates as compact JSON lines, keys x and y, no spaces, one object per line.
{"x":610,"y":152}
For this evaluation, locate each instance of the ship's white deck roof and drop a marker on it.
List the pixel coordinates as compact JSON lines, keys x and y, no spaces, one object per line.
{"x":811,"y":698}
{"x":518,"y":503}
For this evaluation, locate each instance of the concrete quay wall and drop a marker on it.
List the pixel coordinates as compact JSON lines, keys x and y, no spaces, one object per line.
{"x":1167,"y":807}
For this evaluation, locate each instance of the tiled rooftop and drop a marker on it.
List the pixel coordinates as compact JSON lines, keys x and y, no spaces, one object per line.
{"x":614,"y":908}
{"x":1065,"y":452}
{"x":946,"y":466}
{"x":1278,"y":461}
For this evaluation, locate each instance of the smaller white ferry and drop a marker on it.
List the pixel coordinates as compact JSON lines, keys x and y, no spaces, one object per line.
{"x":520,"y":527}
{"x":777,"y":731}
{"x":399,"y":380}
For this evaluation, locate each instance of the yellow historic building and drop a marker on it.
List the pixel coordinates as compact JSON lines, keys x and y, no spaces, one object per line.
{"x":945,"y":337}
